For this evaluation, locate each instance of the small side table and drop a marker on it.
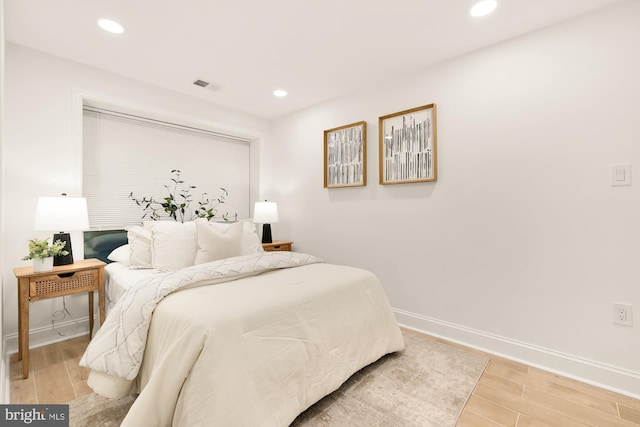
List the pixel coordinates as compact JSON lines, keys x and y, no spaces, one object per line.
{"x":82,"y":276}
{"x":277,"y":245}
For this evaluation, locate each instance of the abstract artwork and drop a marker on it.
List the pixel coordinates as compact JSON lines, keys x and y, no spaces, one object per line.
{"x":345,"y":156}
{"x":407,"y":146}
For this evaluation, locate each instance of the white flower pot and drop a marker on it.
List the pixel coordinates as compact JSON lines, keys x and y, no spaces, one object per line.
{"x":42,"y":264}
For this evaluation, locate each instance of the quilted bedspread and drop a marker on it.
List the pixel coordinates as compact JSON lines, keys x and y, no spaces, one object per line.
{"x":274,"y":334}
{"x":118,"y":347}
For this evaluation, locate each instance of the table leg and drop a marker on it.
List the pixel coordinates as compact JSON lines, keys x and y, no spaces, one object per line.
{"x":90,"y":314}
{"x":23,"y":328}
{"x":101,"y":294}
{"x":19,"y":321}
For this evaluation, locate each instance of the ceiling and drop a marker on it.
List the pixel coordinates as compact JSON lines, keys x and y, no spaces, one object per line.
{"x":317,"y":50}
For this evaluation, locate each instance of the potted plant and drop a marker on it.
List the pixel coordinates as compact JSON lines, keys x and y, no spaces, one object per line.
{"x":42,"y":253}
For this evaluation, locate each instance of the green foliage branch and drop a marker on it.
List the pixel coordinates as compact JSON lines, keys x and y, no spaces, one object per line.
{"x":179,"y":204}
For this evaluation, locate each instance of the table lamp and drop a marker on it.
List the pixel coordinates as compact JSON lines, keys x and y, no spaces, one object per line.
{"x":62,"y":213}
{"x":265,"y":213}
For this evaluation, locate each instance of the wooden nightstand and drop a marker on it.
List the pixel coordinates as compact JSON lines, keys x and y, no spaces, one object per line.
{"x":277,"y":245}
{"x":82,"y":276}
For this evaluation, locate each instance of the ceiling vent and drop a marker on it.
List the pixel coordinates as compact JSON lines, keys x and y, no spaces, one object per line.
{"x":205,"y":84}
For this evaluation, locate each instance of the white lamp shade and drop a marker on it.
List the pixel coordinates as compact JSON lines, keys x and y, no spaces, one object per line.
{"x":265,"y":212}
{"x":61,"y":214}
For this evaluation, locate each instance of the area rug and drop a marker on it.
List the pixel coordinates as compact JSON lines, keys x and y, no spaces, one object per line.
{"x":425,"y":385}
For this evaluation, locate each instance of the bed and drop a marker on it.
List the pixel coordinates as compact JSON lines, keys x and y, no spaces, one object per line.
{"x":241,"y":337}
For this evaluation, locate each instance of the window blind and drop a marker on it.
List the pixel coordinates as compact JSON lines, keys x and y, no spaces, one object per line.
{"x":124,"y":154}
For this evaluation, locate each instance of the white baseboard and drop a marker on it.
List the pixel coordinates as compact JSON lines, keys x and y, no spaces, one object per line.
{"x":588,"y":371}
{"x":47,"y":335}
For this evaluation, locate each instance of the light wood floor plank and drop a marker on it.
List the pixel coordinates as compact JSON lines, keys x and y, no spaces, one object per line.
{"x":471,"y":419}
{"x":72,"y":354}
{"x":81,"y":388}
{"x":44,"y":357}
{"x":509,"y":364}
{"x":573,"y":392}
{"x":491,"y":411}
{"x":74,"y":348}
{"x":628,"y":402}
{"x":53,"y":384}
{"x":588,"y":416}
{"x":527,"y":407}
{"x":502,"y":384}
{"x":584,"y":388}
{"x":505,"y":371}
{"x":524,"y":421}
{"x":630,"y":414}
{"x":22,"y":390}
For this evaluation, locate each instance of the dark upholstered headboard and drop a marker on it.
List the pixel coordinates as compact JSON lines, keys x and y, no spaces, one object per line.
{"x":99,"y":244}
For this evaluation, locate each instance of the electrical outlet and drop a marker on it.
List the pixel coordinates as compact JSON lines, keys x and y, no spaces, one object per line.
{"x":622,"y":314}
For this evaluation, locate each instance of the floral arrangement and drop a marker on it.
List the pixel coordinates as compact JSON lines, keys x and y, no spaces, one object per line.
{"x":179,"y":204}
{"x":40,"y":249}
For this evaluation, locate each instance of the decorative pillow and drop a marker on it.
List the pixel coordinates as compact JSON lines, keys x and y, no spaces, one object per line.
{"x":251,"y":243}
{"x":139,"y":247}
{"x":120,"y":254}
{"x":173,"y":244}
{"x":215,"y":243}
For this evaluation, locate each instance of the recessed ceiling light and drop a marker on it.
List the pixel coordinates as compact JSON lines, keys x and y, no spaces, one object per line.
{"x":280,"y":92}
{"x":111,"y":26}
{"x":483,"y":7}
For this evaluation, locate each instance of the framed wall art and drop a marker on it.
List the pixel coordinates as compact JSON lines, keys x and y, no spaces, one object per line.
{"x":345,"y":156}
{"x":407,"y":146}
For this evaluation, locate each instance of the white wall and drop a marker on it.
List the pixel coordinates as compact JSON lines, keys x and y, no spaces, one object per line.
{"x":522,"y":244}
{"x":43,"y":151}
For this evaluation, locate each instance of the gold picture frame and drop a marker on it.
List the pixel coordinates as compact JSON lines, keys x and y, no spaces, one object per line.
{"x":407,"y":146}
{"x":345,"y":156}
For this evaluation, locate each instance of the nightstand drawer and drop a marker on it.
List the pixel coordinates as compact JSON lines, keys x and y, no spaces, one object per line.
{"x":283,"y":247}
{"x":278,"y":245}
{"x":51,"y":284}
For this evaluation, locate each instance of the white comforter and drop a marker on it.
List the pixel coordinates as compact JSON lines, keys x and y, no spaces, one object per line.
{"x":255,"y":351}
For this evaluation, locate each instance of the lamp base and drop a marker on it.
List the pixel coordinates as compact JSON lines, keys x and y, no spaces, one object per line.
{"x":63,"y":259}
{"x":266,"y":233}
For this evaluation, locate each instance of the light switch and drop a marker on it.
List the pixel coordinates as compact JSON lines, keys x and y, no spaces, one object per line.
{"x":621,"y":174}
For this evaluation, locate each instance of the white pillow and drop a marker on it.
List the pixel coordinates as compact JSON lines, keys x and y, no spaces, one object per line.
{"x":250,"y":241}
{"x":173,"y":244}
{"x":139,"y":247}
{"x":120,"y":254}
{"x":215,"y":243}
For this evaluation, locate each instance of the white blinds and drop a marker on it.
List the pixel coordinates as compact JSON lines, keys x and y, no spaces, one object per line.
{"x":124,"y":154}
